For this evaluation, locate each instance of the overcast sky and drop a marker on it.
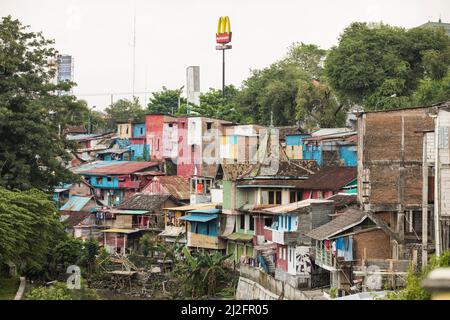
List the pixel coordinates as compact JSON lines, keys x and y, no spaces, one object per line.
{"x":174,"y":34}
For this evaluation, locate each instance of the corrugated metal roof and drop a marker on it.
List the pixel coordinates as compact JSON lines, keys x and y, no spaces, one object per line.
{"x":237,"y":236}
{"x":172,"y":231}
{"x":75,"y":203}
{"x":78,"y":137}
{"x":144,"y":201}
{"x":205,"y":211}
{"x":193,"y":207}
{"x":129,"y":212}
{"x":176,"y":186}
{"x":199,"y":217}
{"x":330,"y":178}
{"x":118,"y":230}
{"x":120,"y":167}
{"x":347,"y":220}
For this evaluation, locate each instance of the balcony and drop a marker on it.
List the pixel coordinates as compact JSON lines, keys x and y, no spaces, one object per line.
{"x":324,"y":259}
{"x":283,"y":237}
{"x":205,"y":241}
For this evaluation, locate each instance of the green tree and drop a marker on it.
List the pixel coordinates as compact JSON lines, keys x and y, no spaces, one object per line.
{"x":31,"y":151}
{"x":381,"y":66}
{"x":216,"y":105}
{"x":125,"y":110}
{"x":91,"y":250}
{"x":432,"y":91}
{"x":413,"y":289}
{"x":145,"y":244}
{"x":202,"y":272}
{"x":272,"y":90}
{"x":29,"y":228}
{"x":68,"y":252}
{"x":165,"y":101}
{"x":309,"y":57}
{"x":317,"y":106}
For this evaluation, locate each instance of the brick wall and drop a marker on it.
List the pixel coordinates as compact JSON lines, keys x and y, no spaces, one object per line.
{"x":376,"y":242}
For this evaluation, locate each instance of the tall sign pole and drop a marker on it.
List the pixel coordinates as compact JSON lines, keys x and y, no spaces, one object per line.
{"x":223,"y":37}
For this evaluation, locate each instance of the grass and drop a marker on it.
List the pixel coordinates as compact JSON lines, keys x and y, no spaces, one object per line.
{"x":8,"y":287}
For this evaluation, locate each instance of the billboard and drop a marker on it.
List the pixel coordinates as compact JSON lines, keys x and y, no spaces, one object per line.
{"x":223,"y":35}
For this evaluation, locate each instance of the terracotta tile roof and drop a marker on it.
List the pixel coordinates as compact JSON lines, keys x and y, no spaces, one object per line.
{"x":177,"y":186}
{"x":121,"y":167}
{"x":330,"y":178}
{"x":143,"y":201}
{"x":347,"y":220}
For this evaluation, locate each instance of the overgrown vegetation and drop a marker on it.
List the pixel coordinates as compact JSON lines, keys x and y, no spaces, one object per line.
{"x":414,"y":289}
{"x":60,"y":291}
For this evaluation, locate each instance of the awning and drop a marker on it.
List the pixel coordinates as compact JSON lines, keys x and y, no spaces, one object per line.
{"x":237,"y":236}
{"x":199,"y":217}
{"x":117,"y":230}
{"x":210,"y":211}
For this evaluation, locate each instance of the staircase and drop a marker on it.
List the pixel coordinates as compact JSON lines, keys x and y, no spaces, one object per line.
{"x":266,"y":256}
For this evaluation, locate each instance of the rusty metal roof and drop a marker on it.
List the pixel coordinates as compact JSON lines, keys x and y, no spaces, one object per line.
{"x":329,"y":178}
{"x":144,"y":201}
{"x":343,"y":200}
{"x":120,"y":167}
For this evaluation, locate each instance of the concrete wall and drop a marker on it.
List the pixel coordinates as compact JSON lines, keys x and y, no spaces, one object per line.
{"x":255,"y":284}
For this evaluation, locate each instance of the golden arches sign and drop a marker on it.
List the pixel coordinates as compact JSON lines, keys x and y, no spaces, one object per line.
{"x":223,"y":34}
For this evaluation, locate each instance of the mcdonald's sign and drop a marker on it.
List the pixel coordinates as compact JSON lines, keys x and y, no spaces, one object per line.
{"x":223,"y":34}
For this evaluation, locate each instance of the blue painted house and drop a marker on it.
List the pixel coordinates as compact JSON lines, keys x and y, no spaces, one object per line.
{"x":294,"y":145}
{"x":203,"y":229}
{"x":331,"y":149}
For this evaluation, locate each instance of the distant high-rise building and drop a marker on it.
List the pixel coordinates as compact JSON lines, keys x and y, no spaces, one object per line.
{"x":65,"y":70}
{"x":193,"y":85}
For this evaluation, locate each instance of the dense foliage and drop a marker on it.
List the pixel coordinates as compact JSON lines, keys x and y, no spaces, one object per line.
{"x":414,"y":289}
{"x":60,"y":291}
{"x":29,"y":229}
{"x":125,"y":110}
{"x":31,"y":113}
{"x":166,"y":101}
{"x":381,"y":67}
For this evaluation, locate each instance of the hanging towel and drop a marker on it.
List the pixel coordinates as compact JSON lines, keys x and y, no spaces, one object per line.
{"x":327,"y":245}
{"x":333,"y":247}
{"x":340,"y":243}
{"x":349,"y":252}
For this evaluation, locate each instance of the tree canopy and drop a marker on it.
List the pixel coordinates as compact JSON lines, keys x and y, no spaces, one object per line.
{"x":29,"y":229}
{"x":165,"y":101}
{"x":380,"y":67}
{"x":31,"y":113}
{"x":125,"y":110}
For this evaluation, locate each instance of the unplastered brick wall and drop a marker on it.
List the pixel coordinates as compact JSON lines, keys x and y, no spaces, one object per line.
{"x":391,"y":151}
{"x":376,"y":243}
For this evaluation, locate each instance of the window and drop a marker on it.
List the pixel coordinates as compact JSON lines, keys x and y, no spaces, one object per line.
{"x":208,"y":126}
{"x":157,"y":145}
{"x":126,"y":131}
{"x":109,"y":179}
{"x":268,"y":222}
{"x":170,"y":125}
{"x":292,"y":197}
{"x":295,"y":196}
{"x":290,"y":255}
{"x":252,"y":223}
{"x":280,"y":253}
{"x":193,"y":148}
{"x":271,"y":197}
{"x":242,"y":224}
{"x":142,"y":130}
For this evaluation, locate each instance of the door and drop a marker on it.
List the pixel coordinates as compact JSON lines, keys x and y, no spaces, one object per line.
{"x":291,"y":260}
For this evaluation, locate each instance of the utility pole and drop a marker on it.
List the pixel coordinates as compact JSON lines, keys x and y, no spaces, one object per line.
{"x":223,"y":75}
{"x":134,"y":49}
